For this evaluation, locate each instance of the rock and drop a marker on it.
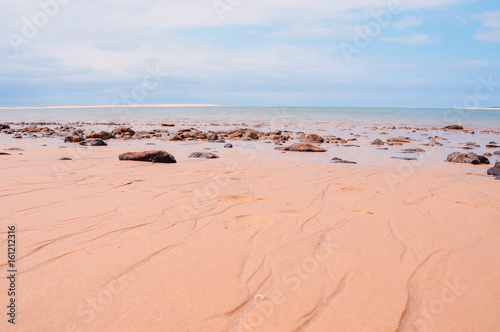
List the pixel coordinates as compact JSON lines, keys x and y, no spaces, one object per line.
{"x":492,"y":145}
{"x":497,"y":178}
{"x":399,"y":139}
{"x":252,"y":134}
{"x":472,"y":145}
{"x":404,"y":158}
{"x":4,"y":126}
{"x":377,"y":142}
{"x":417,"y":150}
{"x":303,"y":147}
{"x":65,"y":158}
{"x":123,"y":130}
{"x":98,"y":142}
{"x":434,"y":142}
{"x":167,"y":125}
{"x":73,"y":139}
{"x":385,"y":149}
{"x":4,"y":154}
{"x":17,"y":136}
{"x":150,"y":143}
{"x":454,"y":127}
{"x":350,"y":146}
{"x":495,"y":170}
{"x":157,"y":156}
{"x":336,"y":160}
{"x":14,"y":149}
{"x":313,"y":138}
{"x":470,"y":158}
{"x":497,"y":153}
{"x":487,"y":154}
{"x":206,"y":155}
{"x":220,"y":141}
{"x":228,"y":146}
{"x":101,"y":135}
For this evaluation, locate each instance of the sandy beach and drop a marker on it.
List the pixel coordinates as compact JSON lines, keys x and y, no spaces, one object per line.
{"x":259,"y":239}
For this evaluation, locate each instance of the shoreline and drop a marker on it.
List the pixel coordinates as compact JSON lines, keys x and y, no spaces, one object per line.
{"x":108,"y":106}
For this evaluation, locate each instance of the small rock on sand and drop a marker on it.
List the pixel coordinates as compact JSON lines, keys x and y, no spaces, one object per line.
{"x":206,"y":155}
{"x":495,"y":170}
{"x":417,"y":150}
{"x":157,"y":156}
{"x":377,"y":142}
{"x":65,"y":158}
{"x":454,"y":127}
{"x":470,"y":158}
{"x":496,"y":153}
{"x":336,"y":160}
{"x":228,"y":146}
{"x":4,"y":154}
{"x":302,"y":147}
{"x":313,"y":138}
{"x":98,"y":142}
{"x":404,"y":158}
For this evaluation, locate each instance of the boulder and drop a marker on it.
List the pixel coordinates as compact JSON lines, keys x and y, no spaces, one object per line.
{"x":470,"y":158}
{"x":377,"y":142}
{"x":98,"y":142}
{"x":73,"y":139}
{"x":4,"y":126}
{"x":156,"y":156}
{"x":123,"y":130}
{"x":206,"y":155}
{"x":100,"y":135}
{"x":495,"y":170}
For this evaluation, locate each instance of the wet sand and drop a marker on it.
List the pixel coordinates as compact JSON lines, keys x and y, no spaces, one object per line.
{"x":258,"y":240}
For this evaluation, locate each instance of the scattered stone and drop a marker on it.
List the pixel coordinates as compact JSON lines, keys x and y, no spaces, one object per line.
{"x":98,"y":142}
{"x":493,"y":145}
{"x":472,"y":145}
{"x":167,"y":125}
{"x":17,"y":136}
{"x":228,"y":146}
{"x":123,"y":131}
{"x":73,"y":139}
{"x":313,"y":138}
{"x":14,"y":149}
{"x":206,"y":155}
{"x":150,"y":143}
{"x":63,"y":147}
{"x":399,"y":139}
{"x":495,"y":170}
{"x":336,"y":160}
{"x":404,"y":158}
{"x":454,"y":127}
{"x":497,"y":153}
{"x":351,"y":146}
{"x":100,"y":135}
{"x":487,"y":154}
{"x":157,"y":156}
{"x":385,"y":149}
{"x":470,"y":158}
{"x":4,"y":154}
{"x":302,"y":147}
{"x":220,"y":141}
{"x":4,"y":126}
{"x":377,"y":142}
{"x":417,"y":150}
{"x":65,"y":158}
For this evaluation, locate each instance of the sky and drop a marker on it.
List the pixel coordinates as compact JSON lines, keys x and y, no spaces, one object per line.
{"x":359,"y":53}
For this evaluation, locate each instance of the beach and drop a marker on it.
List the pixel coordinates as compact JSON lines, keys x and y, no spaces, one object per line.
{"x":390,"y":237}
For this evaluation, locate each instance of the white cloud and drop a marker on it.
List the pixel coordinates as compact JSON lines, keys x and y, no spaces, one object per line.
{"x":490,"y":22}
{"x":409,"y":40}
{"x":407,"y":22}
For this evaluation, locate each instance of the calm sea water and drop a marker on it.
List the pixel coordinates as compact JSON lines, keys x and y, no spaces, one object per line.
{"x":275,"y":116}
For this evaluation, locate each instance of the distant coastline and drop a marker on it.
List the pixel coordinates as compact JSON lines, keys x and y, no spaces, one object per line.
{"x":480,"y":108}
{"x":100,"y":106}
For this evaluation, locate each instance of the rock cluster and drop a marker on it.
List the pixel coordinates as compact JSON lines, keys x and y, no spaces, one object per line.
{"x":470,"y":158}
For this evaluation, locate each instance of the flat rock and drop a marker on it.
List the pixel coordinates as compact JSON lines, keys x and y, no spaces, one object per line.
{"x":470,"y":158}
{"x":496,"y":153}
{"x":336,"y":160}
{"x":206,"y":155}
{"x":495,"y":170}
{"x":14,"y":149}
{"x":123,"y":130}
{"x":4,"y":154}
{"x":100,"y":135}
{"x":399,"y":139}
{"x":64,"y":158}
{"x":492,"y":146}
{"x":156,"y":156}
{"x":98,"y":142}
{"x":302,"y":147}
{"x":417,"y":150}
{"x":454,"y":127}
{"x":404,"y":158}
{"x":228,"y":146}
{"x":487,"y":154}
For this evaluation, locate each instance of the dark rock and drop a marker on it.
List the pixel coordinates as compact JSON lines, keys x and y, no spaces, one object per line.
{"x":302,"y":147}
{"x":123,"y":131}
{"x":65,"y":158}
{"x":167,"y":125}
{"x":220,"y":141}
{"x":206,"y":155}
{"x":492,"y":145}
{"x":470,"y":158}
{"x":497,"y":178}
{"x":496,"y":153}
{"x":495,"y":170}
{"x":454,"y":127}
{"x":4,"y":154}
{"x":385,"y":149}
{"x":4,"y":126}
{"x":404,"y":158}
{"x":98,"y":142}
{"x":73,"y":139}
{"x":350,"y":146}
{"x":487,"y":154}
{"x":17,"y":136}
{"x":14,"y":149}
{"x":417,"y":150}
{"x":336,"y":160}
{"x":228,"y":146}
{"x":377,"y":142}
{"x":157,"y":156}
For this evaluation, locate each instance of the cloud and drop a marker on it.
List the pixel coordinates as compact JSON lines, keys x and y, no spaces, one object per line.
{"x":407,"y":22}
{"x":414,"y":39}
{"x":490,"y":22}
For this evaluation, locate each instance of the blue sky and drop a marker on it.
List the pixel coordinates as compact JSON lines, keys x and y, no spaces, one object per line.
{"x":420,"y":53}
